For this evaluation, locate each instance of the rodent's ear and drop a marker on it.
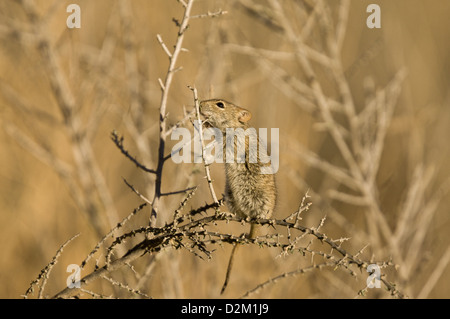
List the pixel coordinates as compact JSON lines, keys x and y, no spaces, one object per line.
{"x":244,"y":116}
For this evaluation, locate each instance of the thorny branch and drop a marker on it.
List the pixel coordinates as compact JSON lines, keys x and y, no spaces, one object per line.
{"x":190,"y":231}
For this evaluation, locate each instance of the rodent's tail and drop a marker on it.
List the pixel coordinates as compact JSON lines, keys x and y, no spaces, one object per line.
{"x":230,"y":265}
{"x":251,"y":235}
{"x":253,"y":229}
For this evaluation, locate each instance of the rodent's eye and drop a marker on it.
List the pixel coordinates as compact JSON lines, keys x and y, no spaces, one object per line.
{"x":220,"y":104}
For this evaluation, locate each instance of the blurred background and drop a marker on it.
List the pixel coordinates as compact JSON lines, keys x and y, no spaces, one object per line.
{"x":63,"y":91}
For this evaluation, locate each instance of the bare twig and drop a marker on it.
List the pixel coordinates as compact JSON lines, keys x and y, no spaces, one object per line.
{"x":275,"y":279}
{"x":200,"y":129}
{"x":119,"y":143}
{"x":163,"y":105}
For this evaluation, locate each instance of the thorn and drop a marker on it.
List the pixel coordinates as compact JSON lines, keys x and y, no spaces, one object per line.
{"x":177,"y":23}
{"x":161,"y":84}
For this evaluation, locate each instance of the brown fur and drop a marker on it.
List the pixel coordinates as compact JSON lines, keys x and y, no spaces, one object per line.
{"x":248,"y":193}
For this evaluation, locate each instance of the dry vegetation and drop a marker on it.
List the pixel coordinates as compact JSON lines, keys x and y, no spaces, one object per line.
{"x":85,"y":123}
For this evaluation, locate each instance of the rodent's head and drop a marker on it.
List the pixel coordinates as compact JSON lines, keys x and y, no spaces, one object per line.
{"x":222,"y":114}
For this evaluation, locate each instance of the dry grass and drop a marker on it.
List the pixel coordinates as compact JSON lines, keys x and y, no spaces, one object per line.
{"x":363,"y":115}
